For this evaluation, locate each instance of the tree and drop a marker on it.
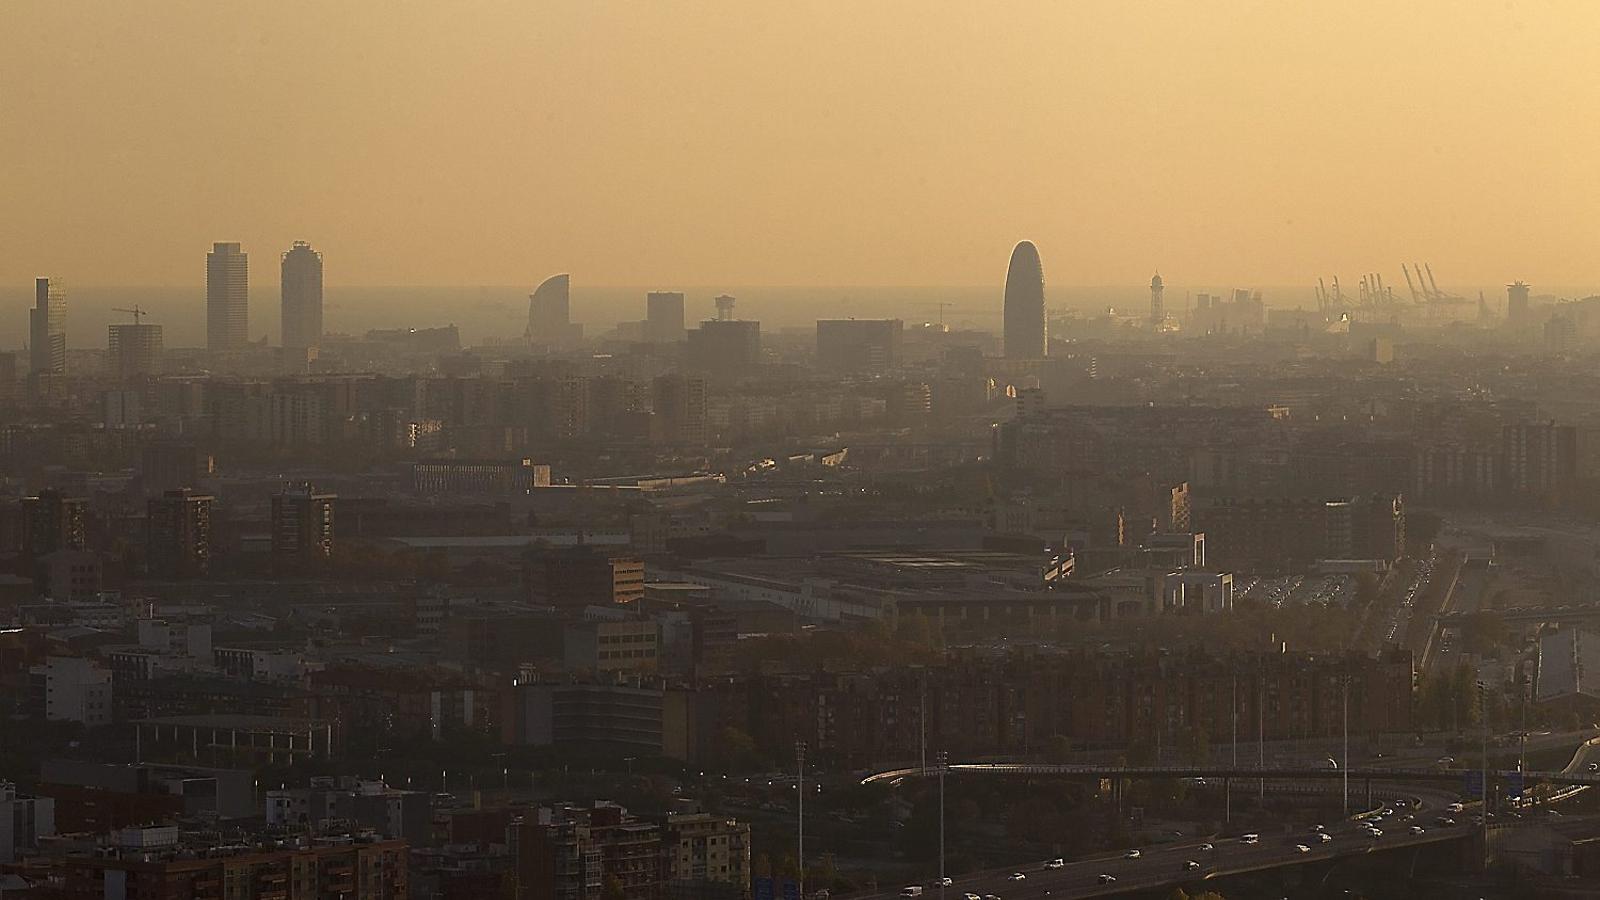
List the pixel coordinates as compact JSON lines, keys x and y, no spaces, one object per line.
{"x":1194,"y":746}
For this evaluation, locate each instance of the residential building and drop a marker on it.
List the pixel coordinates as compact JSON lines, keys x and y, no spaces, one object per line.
{"x":302,"y":525}
{"x":707,"y":857}
{"x":73,"y":689}
{"x":178,"y":544}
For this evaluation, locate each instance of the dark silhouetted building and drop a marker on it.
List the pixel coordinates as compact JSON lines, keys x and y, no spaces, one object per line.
{"x":575,"y":577}
{"x":1025,"y":330}
{"x":550,"y":313}
{"x":302,"y":525}
{"x":680,"y":409}
{"x":134,"y":349}
{"x":178,"y":543}
{"x":227,"y":298}
{"x":664,"y":320}
{"x":302,"y":297}
{"x":859,"y":345}
{"x":725,"y":345}
{"x":47,"y":328}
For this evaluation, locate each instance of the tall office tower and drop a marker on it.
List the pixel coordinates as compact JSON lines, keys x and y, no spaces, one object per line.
{"x":47,"y":328}
{"x":302,"y":525}
{"x":1158,"y":304}
{"x":302,"y":297}
{"x":1025,"y":334}
{"x":663,"y":322}
{"x":724,"y":308}
{"x":178,"y":544}
{"x":227,"y":298}
{"x":1516,"y":302}
{"x":134,"y":349}
{"x":550,"y":313}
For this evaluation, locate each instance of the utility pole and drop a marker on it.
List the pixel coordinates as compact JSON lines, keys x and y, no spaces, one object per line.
{"x":943,"y":762}
{"x":800,"y":812}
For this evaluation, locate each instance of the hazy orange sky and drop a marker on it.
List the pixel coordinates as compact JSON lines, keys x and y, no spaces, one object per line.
{"x":801,"y":142}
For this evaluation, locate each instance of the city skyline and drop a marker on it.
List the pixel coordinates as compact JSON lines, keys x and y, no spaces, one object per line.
{"x":1217,"y":143}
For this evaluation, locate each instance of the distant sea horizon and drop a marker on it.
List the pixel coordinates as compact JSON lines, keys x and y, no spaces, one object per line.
{"x":485,"y":312}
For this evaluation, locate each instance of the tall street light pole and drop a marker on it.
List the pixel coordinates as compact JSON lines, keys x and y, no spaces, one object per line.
{"x":800,"y":812}
{"x":943,"y":762}
{"x":1346,"y":772}
{"x":1483,"y":706}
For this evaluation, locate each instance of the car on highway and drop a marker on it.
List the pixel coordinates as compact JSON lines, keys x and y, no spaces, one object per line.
{"x":1191,"y":864}
{"x":1374,"y":832}
{"x":911,"y":890}
{"x":1455,"y":807}
{"x":1415,"y":829}
{"x":970,"y":896}
{"x":1445,"y":822}
{"x":1056,"y":864}
{"x":1319,"y":827}
{"x":1018,"y":876}
{"x":945,"y":881}
{"x":1301,"y":848}
{"x":1324,"y":837}
{"x":1107,"y":878}
{"x":1251,"y":838}
{"x":1207,"y":847}
{"x":1132,"y":854}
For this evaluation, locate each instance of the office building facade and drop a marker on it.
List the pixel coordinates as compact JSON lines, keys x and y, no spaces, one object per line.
{"x":1025,"y":331}
{"x":227,"y":298}
{"x":47,"y":328}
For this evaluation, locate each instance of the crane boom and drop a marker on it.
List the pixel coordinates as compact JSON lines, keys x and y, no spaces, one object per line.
{"x":1409,"y":286}
{"x":1437,"y":294}
{"x":134,"y":311}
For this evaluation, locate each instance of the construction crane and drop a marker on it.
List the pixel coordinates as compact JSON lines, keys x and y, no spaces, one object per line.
{"x":134,"y":311}
{"x":1415,"y":297}
{"x":1437,"y":294}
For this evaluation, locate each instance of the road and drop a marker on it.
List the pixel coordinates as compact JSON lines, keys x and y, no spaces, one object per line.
{"x":1168,"y":863}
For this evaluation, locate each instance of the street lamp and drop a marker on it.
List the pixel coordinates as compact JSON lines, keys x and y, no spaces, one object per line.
{"x":943,"y":762}
{"x":1483,"y":706}
{"x":1346,"y":773}
{"x":800,"y":812}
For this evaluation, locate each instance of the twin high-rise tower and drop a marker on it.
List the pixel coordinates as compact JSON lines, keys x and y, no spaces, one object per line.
{"x":302,"y":297}
{"x":228,"y":297}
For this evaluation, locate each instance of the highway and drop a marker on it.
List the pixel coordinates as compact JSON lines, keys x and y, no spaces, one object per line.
{"x":1168,"y":863}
